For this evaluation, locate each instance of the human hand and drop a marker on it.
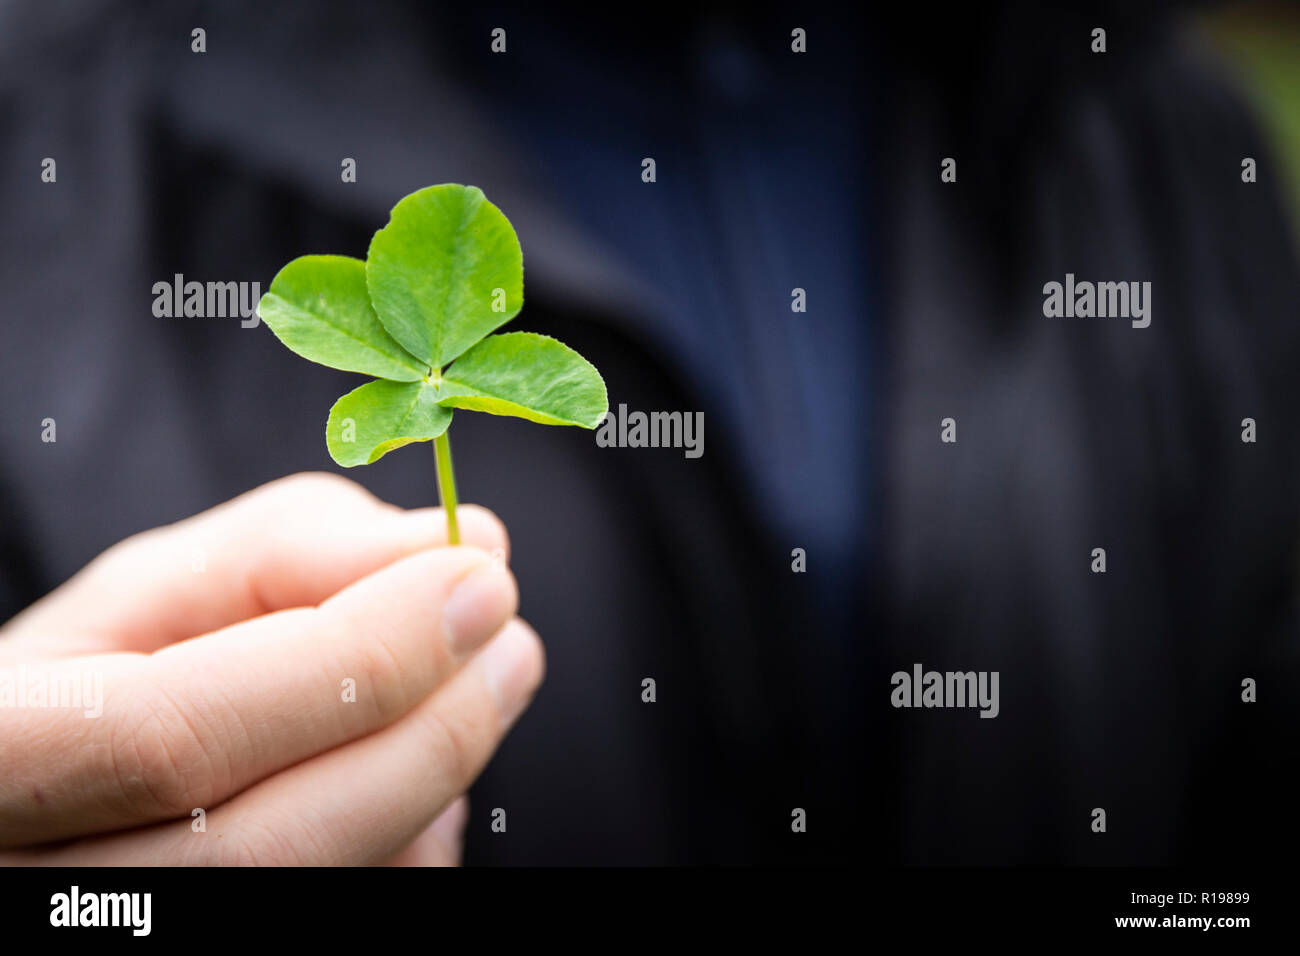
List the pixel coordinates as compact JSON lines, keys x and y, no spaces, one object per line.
{"x":222,"y":648}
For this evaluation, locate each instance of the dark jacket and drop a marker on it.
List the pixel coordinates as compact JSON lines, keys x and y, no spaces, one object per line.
{"x":1118,"y":690}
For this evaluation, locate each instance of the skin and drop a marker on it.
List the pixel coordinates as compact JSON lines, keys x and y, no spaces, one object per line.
{"x":224,"y":642}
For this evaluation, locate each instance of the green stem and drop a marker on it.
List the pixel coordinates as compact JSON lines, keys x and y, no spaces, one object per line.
{"x":446,"y":485}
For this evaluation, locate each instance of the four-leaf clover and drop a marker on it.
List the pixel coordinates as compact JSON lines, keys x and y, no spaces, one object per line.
{"x":417,"y":315}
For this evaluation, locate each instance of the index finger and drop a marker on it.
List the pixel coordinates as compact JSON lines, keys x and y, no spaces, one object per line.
{"x":290,"y":543}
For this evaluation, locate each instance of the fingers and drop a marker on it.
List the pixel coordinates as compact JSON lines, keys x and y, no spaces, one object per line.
{"x":361,"y":803}
{"x":442,"y":843}
{"x":204,"y":719}
{"x":290,"y":543}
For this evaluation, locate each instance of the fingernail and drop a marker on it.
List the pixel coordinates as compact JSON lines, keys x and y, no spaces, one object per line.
{"x":450,"y":825}
{"x":511,"y":663}
{"x":479,"y":606}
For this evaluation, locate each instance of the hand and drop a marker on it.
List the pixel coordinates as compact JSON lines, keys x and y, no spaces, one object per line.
{"x":223,"y":648}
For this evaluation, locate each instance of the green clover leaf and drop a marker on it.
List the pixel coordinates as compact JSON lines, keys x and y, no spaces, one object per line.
{"x":417,"y":315}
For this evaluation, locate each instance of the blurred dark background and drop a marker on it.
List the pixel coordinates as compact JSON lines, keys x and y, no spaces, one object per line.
{"x":775,"y":170}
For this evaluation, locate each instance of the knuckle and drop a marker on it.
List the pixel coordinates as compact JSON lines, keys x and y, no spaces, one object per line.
{"x":236,"y":848}
{"x":385,"y":678}
{"x":452,"y":746}
{"x":255,"y":843}
{"x":129,"y":551}
{"x":160,"y":764}
{"x":298,"y":501}
{"x":313,"y":485}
